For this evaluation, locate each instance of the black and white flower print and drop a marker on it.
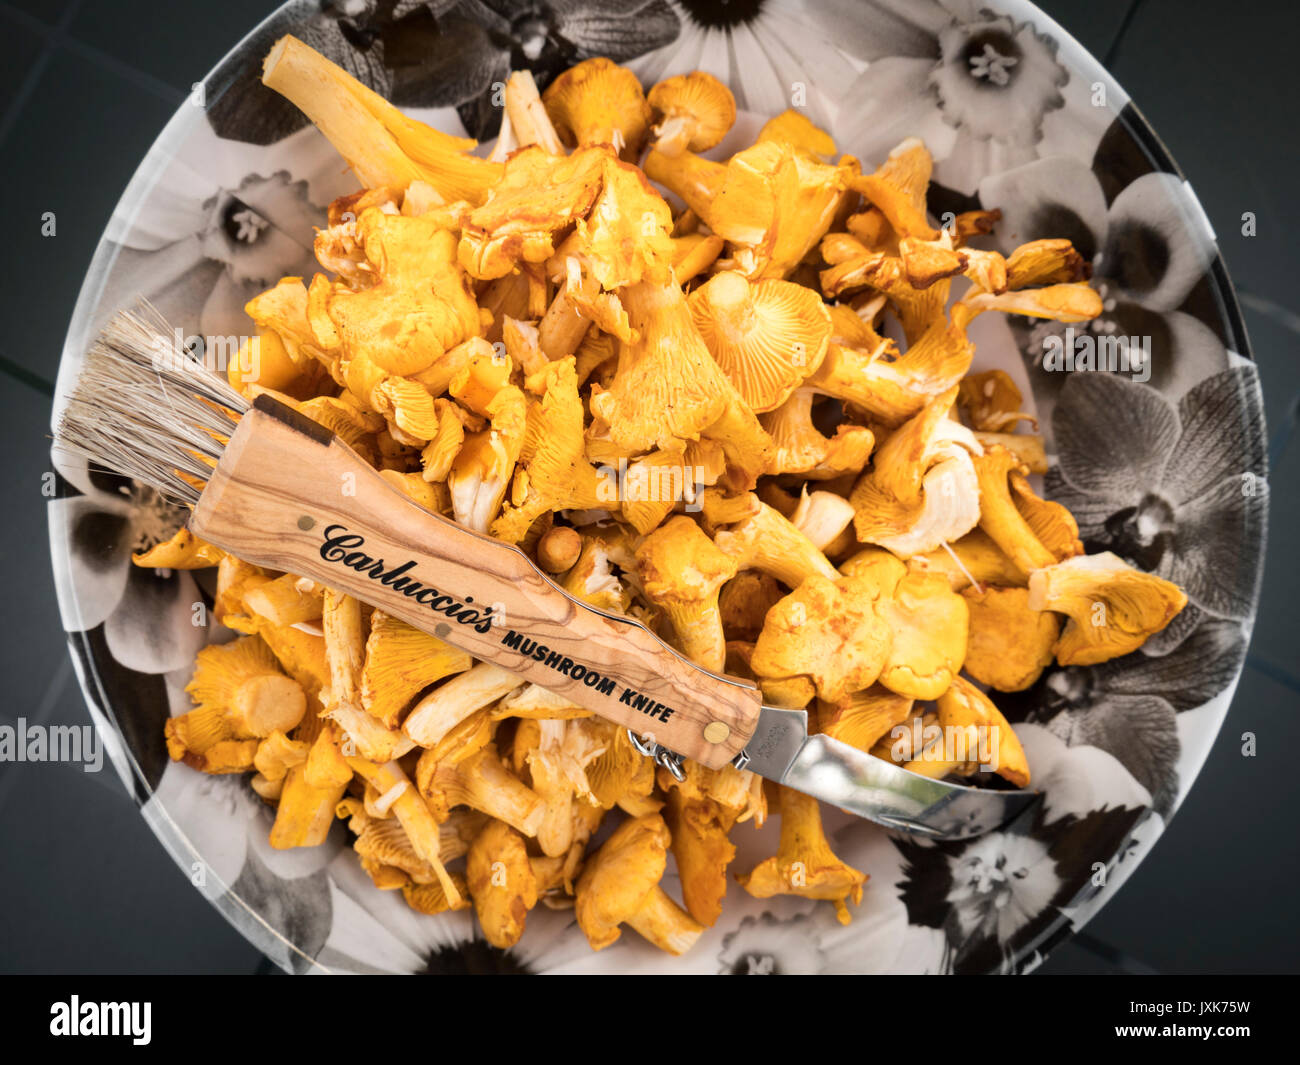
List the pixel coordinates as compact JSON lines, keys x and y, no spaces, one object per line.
{"x":769,"y":946}
{"x":215,"y":247}
{"x":1173,"y":488}
{"x":985,"y":90}
{"x":999,"y":898}
{"x":1128,"y":707}
{"x":146,"y":615}
{"x":1167,"y":474}
{"x":218,"y":829}
{"x":1149,"y":250}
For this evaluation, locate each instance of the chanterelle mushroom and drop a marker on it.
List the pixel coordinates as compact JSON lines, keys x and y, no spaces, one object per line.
{"x":668,"y":390}
{"x":927,"y":623}
{"x":681,"y":571}
{"x":240,"y":695}
{"x":401,"y":661}
{"x":599,"y":102}
{"x":695,"y":111}
{"x":804,"y":863}
{"x":620,"y":885}
{"x":419,"y":307}
{"x":878,"y":621}
{"x":1112,"y":607}
{"x":381,"y":144}
{"x":760,"y":537}
{"x":827,"y":631}
{"x":1001,"y":518}
{"x":539,"y":195}
{"x":863,"y":718}
{"x":799,"y":447}
{"x":482,"y":469}
{"x":501,"y":882}
{"x":557,"y":475}
{"x":922,"y":490}
{"x":975,"y":729}
{"x":898,"y":189}
{"x":767,"y":337}
{"x":772,"y":202}
{"x":1009,"y":644}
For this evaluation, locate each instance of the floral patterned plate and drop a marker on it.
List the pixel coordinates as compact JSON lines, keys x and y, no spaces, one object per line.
{"x":1166,"y":472}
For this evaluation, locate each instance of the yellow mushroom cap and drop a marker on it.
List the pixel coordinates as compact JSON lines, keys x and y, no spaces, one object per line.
{"x":863,"y":718}
{"x":419,"y":308}
{"x":827,"y":631}
{"x":681,"y":571}
{"x":767,"y":337}
{"x":599,"y":102}
{"x":401,"y":661}
{"x":1112,"y":607}
{"x":501,"y":882}
{"x":1009,"y":645}
{"x":800,"y":132}
{"x":240,"y":695}
{"x":620,"y":876}
{"x":695,"y":110}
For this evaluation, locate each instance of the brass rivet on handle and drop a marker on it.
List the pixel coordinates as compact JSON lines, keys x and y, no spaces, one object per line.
{"x":306,"y":522}
{"x":716,"y":732}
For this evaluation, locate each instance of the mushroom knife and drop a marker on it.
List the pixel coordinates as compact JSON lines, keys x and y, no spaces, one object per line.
{"x":286,"y":493}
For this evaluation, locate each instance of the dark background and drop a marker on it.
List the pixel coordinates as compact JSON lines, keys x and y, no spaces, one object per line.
{"x":85,"y":85}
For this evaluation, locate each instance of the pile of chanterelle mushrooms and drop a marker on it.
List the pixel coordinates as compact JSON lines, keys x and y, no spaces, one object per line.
{"x":684,"y":408}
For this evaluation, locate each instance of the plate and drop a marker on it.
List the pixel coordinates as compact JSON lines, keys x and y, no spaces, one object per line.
{"x":1165,"y":468}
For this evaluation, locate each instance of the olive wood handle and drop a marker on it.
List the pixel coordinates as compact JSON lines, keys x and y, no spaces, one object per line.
{"x":291,"y":496}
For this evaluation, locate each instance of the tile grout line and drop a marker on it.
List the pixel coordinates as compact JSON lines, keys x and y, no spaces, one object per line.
{"x":51,"y":37}
{"x":1289,"y":321}
{"x":57,"y":37}
{"x":1274,"y":673}
{"x":1112,"y":50}
{"x":34,"y":381}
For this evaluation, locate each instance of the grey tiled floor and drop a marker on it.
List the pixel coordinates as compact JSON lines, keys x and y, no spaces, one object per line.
{"x":84,"y":87}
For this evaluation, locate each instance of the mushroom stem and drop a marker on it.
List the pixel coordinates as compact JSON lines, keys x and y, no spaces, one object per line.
{"x":694,"y":179}
{"x":266,"y":704}
{"x":449,"y":704}
{"x":562,"y":328}
{"x":821,"y":517}
{"x":558,"y":549}
{"x":728,"y":298}
{"x":284,"y":601}
{"x":528,"y":117}
{"x":999,"y":516}
{"x":483,"y":783}
{"x":507,"y":142}
{"x":344,"y":649}
{"x":673,"y":135}
{"x":693,"y":254}
{"x":669,"y":927}
{"x":332,"y":99}
{"x":416,"y":819}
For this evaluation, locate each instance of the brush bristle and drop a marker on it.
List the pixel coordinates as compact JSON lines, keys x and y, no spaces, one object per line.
{"x":148,"y":409}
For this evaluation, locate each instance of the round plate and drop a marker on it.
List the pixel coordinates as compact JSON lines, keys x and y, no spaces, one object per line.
{"x":1166,"y":471}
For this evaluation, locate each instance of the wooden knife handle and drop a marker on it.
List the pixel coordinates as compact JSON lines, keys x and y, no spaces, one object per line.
{"x":291,"y":496}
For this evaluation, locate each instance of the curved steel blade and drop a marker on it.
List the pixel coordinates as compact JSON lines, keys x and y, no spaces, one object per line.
{"x":862,"y":784}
